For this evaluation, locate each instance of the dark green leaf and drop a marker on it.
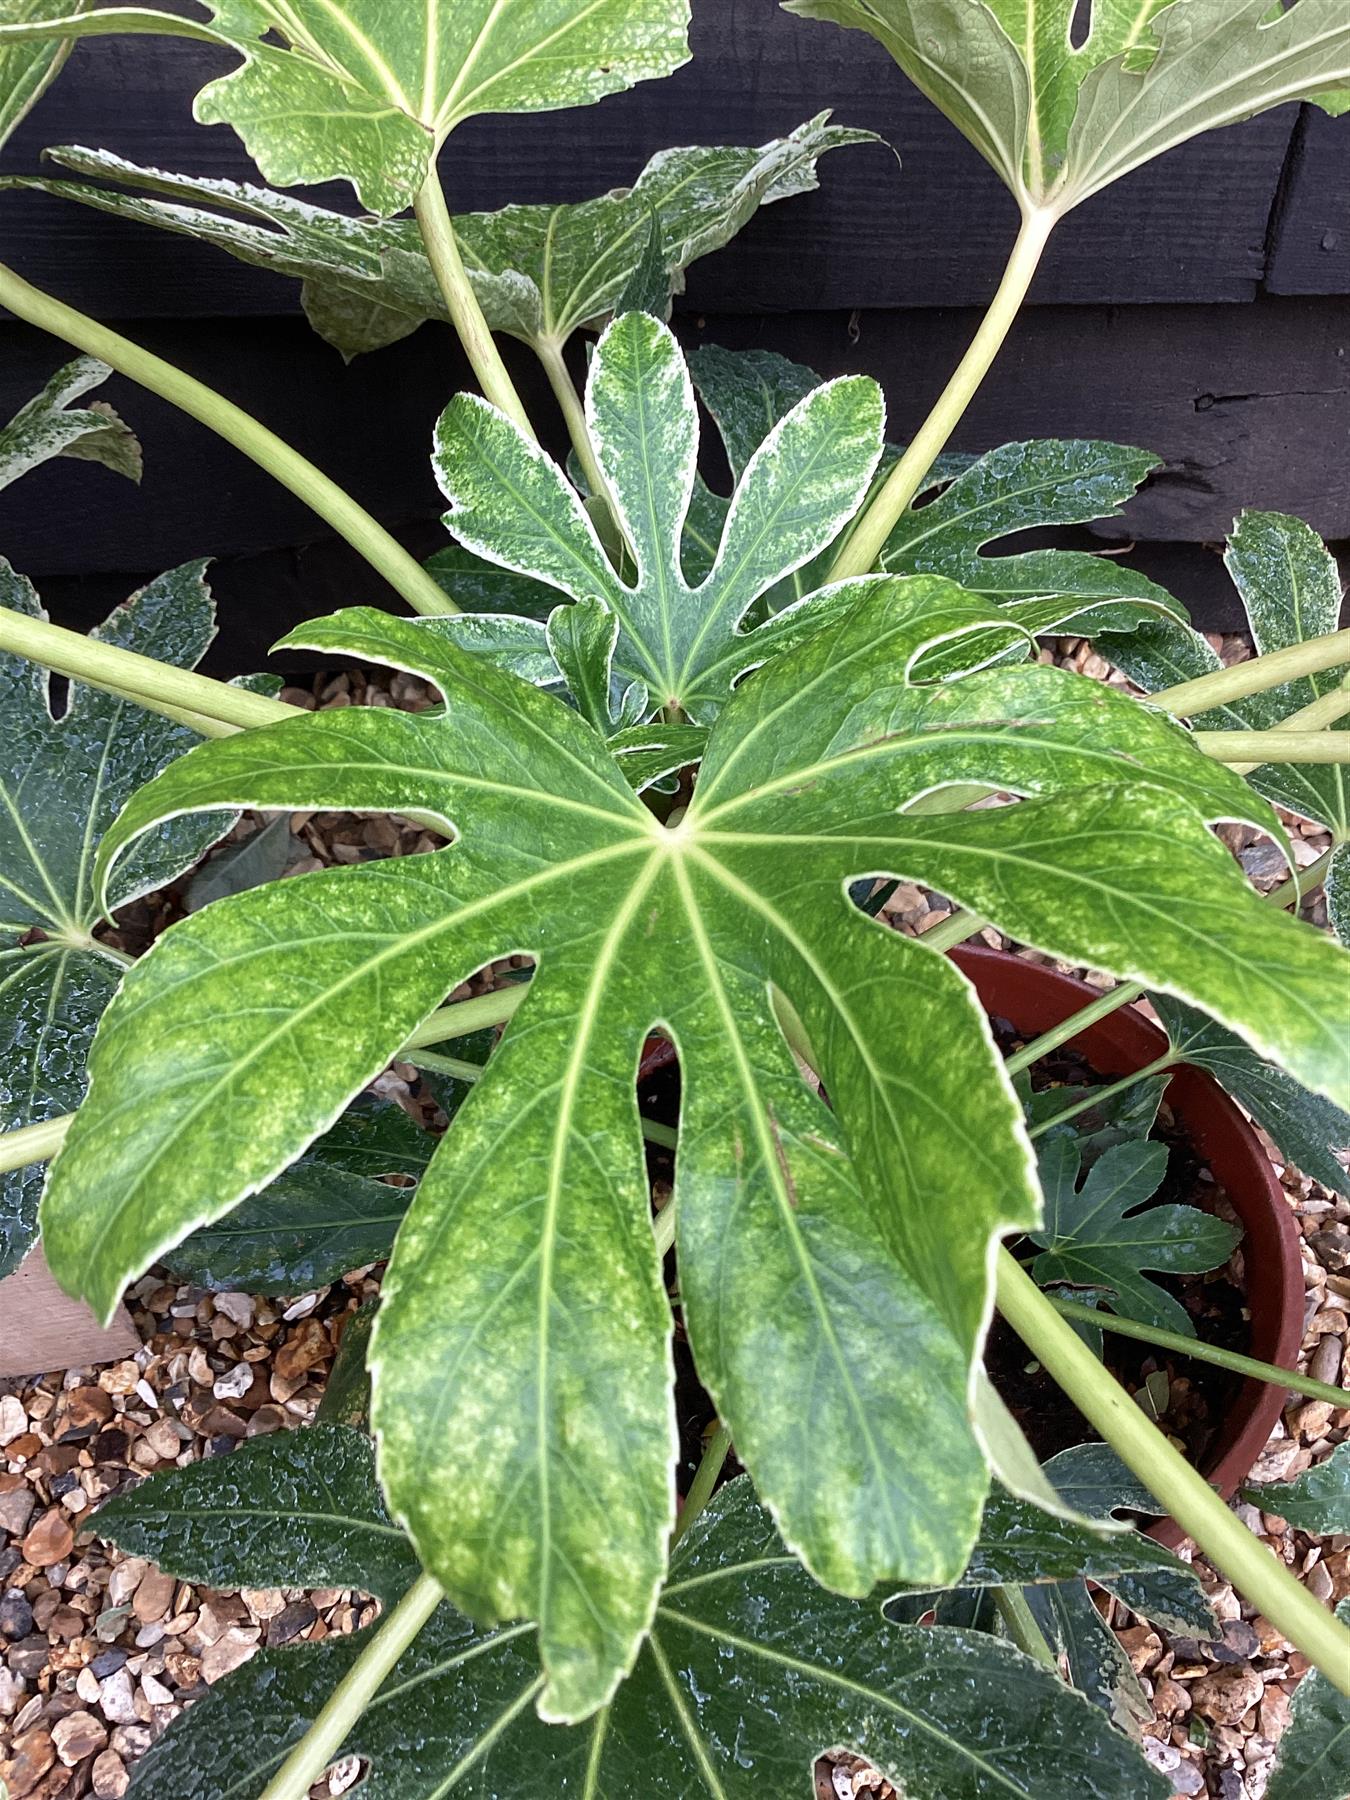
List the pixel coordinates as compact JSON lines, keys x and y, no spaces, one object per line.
{"x":1019,"y":1544}
{"x":1313,"y":1760}
{"x":1338,"y":893}
{"x":750,"y":1673}
{"x":1316,"y":1501}
{"x":1021,"y":487}
{"x":1097,"y":1236}
{"x":346,"y":1394}
{"x":1093,"y":1479}
{"x":1307,"y":1128}
{"x":292,"y":1509}
{"x":1119,"y":1118}
{"x":328,"y":1213}
{"x":50,"y":1001}
{"x":1090,"y":1654}
{"x":62,"y":783}
{"x":262,"y":857}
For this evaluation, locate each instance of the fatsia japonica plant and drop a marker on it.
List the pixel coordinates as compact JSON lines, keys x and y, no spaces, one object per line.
{"x":675,"y":736}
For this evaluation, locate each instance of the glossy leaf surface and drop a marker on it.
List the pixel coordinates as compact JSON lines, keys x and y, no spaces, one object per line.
{"x":1308,"y":1128}
{"x":540,"y":272}
{"x":1338,"y":893}
{"x":50,"y":426}
{"x":62,"y":783}
{"x":1022,"y":487}
{"x":1020,"y":1545}
{"x":1316,"y":1501}
{"x":750,"y":1672}
{"x":523,"y":1309}
{"x":1062,"y":100}
{"x":291,"y":1509}
{"x":366,"y":92}
{"x":1313,"y":1759}
{"x":513,"y":506}
{"x":1104,"y":1234}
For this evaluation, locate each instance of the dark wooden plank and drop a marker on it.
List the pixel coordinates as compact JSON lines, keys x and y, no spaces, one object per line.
{"x":1310,"y":244}
{"x":1248,"y":406}
{"x":1191,"y":227}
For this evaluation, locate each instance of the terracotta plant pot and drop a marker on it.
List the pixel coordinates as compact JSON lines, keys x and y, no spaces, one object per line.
{"x":1034,"y":999}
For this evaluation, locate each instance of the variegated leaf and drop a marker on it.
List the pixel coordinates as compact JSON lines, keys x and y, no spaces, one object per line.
{"x":50,"y":426}
{"x":523,"y":1309}
{"x":366,"y":92}
{"x":1290,"y":588}
{"x":1062,"y":99}
{"x":540,"y":272}
{"x":512,"y":505}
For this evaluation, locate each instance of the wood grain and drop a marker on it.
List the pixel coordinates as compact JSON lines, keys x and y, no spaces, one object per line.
{"x":1190,"y":227}
{"x":41,"y":1328}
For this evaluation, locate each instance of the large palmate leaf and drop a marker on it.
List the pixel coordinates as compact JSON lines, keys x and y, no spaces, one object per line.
{"x":513,"y":506}
{"x":29,"y":66}
{"x":1104,"y":1235}
{"x":1021,"y":487}
{"x":368,"y":93}
{"x":523,"y":1308}
{"x":749,"y":1674}
{"x":1308,"y":1128}
{"x":1062,"y":99}
{"x":62,"y":783}
{"x":50,"y":426}
{"x":540,"y":272}
{"x":1316,"y":1501}
{"x":1291,"y":590}
{"x":1313,"y":1760}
